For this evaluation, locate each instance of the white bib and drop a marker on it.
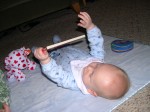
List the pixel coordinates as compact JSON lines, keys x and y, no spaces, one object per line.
{"x":77,"y":67}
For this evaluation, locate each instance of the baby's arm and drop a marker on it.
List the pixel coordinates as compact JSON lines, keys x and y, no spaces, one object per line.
{"x":53,"y":71}
{"x":94,"y":35}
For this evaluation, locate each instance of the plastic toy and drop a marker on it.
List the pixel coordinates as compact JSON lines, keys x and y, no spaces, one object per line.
{"x":121,"y":46}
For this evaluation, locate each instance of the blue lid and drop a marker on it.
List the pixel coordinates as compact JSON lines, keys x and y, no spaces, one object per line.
{"x":121,"y":45}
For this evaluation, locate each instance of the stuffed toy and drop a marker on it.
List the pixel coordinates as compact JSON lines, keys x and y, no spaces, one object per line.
{"x":17,"y":61}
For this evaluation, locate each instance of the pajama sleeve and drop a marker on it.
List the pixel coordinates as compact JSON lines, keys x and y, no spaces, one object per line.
{"x":96,"y":40}
{"x":57,"y":74}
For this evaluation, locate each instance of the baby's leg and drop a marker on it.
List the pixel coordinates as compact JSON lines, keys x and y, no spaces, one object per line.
{"x":54,"y":54}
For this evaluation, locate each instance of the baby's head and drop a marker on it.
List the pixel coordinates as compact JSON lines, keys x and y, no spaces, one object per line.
{"x":105,"y":80}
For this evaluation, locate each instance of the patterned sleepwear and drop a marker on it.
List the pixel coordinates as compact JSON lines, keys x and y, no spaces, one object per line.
{"x":63,"y":69}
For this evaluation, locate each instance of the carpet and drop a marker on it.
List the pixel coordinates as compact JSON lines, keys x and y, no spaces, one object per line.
{"x":126,"y":19}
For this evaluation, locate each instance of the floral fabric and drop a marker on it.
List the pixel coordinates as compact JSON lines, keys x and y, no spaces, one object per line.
{"x":4,"y":90}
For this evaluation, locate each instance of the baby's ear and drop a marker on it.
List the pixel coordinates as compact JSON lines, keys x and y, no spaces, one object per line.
{"x":92,"y":92}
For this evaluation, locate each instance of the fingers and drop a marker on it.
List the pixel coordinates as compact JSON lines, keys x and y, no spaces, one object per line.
{"x":41,"y":53}
{"x":82,"y":23}
{"x":44,"y":50}
{"x":6,"y":107}
{"x":85,"y":18}
{"x":86,"y":15}
{"x":86,"y":21}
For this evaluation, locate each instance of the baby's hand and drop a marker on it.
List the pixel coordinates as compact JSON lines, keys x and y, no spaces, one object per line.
{"x":42,"y":55}
{"x":86,"y":21}
{"x":6,"y":108}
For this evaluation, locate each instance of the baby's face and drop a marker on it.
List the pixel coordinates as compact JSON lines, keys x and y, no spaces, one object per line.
{"x":90,"y":74}
{"x":105,"y":80}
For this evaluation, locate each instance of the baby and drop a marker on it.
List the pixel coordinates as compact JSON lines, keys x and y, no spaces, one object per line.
{"x":87,"y":72}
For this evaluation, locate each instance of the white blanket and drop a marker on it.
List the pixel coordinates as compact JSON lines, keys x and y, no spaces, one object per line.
{"x":39,"y":94}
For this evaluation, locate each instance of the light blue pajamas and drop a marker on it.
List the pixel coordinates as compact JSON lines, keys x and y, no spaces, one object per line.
{"x":59,"y":70}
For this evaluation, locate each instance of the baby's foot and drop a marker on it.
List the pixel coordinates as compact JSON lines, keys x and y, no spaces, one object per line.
{"x":33,"y":49}
{"x":56,"y":39}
